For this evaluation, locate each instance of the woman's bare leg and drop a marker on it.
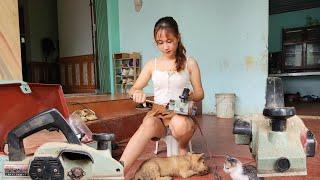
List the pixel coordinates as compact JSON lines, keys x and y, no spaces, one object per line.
{"x":182,"y":129}
{"x":150,"y":127}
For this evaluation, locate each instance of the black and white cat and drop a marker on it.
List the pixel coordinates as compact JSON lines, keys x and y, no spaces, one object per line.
{"x":238,"y":171}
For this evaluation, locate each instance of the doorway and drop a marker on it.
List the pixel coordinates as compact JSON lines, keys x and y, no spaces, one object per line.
{"x":58,"y":44}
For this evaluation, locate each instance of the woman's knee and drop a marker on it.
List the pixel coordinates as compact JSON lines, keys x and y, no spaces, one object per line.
{"x":181,"y":126}
{"x":151,"y":125}
{"x":148,"y":123}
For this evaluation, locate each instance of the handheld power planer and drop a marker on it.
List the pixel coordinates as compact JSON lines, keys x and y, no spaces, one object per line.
{"x":20,"y":106}
{"x":58,"y":160}
{"x":181,"y":106}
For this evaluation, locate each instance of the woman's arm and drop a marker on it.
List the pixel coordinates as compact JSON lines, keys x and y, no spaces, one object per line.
{"x":195,"y":78}
{"x":143,"y":79}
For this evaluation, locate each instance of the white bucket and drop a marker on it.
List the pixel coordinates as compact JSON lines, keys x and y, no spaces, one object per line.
{"x":225,"y":103}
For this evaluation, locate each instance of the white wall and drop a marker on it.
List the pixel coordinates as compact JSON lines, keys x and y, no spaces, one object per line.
{"x":74,"y":24}
{"x":228,"y":38}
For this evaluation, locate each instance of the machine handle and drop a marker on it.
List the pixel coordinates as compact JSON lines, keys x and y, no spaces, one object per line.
{"x":45,"y":120}
{"x":185,"y":95}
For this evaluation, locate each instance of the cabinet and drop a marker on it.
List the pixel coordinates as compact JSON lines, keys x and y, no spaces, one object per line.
{"x":127,"y":67}
{"x":275,"y":62}
{"x":301,"y":49}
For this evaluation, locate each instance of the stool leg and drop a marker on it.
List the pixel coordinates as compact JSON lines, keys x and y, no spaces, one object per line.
{"x":172,"y":146}
{"x":190,"y":147}
{"x":157,"y":146}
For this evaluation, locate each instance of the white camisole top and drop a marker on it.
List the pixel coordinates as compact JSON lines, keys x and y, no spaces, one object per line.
{"x":169,"y":85}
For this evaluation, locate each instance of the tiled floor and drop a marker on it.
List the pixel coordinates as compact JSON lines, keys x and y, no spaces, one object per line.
{"x":218,"y":134}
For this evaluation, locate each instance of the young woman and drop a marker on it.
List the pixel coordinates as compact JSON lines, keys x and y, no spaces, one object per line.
{"x":170,"y":73}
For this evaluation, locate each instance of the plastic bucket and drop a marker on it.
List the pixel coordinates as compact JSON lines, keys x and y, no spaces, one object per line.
{"x":225,"y":105}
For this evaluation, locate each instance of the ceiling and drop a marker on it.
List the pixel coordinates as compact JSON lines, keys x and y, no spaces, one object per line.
{"x":281,"y":6}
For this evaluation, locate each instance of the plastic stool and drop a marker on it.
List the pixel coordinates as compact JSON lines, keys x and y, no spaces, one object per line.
{"x":172,"y":146}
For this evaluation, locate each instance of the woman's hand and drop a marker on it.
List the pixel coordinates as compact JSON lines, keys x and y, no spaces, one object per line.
{"x":139,"y":96}
{"x":190,"y":96}
{"x":136,"y":92}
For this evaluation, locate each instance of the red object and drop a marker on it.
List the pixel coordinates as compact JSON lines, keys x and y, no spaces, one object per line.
{"x":16,"y":107}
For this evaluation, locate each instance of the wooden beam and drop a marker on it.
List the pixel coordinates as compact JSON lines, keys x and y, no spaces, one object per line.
{"x":282,"y":6}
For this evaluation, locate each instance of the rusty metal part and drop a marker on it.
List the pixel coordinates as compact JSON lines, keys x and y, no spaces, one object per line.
{"x":76,"y":173}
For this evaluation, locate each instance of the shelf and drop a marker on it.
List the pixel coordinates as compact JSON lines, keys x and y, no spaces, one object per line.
{"x":127,"y":67}
{"x":293,"y":53}
{"x":292,"y":43}
{"x":123,"y":84}
{"x":124,"y":59}
{"x":128,"y":62}
{"x":125,"y":76}
{"x":295,"y":74}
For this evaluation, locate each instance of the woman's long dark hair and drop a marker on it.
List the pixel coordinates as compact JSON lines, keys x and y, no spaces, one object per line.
{"x":168,"y":23}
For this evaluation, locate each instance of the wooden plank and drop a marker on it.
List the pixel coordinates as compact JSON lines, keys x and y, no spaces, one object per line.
{"x":10,"y":55}
{"x":282,"y":6}
{"x":74,"y":75}
{"x":89,"y":74}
